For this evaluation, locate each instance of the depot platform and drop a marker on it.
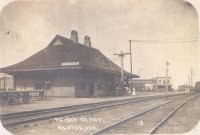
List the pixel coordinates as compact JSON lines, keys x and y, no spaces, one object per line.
{"x":51,"y":102}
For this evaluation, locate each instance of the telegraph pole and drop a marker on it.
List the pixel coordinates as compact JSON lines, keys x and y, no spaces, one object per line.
{"x":140,"y":71}
{"x":189,"y":80}
{"x":191,"y":76}
{"x":131,"y":67}
{"x":4,"y":82}
{"x":122,"y":55}
{"x":166,"y":81}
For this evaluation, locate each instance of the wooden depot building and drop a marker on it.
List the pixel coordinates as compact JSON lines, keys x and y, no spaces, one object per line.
{"x":66,"y":68}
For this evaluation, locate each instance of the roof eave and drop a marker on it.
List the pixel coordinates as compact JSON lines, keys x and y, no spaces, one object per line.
{"x":64,"y":68}
{"x":39,"y":69}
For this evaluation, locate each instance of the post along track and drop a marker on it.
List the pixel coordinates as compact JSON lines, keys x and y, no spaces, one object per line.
{"x":15,"y":119}
{"x":147,"y":121}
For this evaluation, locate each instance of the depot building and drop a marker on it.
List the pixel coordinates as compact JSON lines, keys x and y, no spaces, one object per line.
{"x":66,"y":68}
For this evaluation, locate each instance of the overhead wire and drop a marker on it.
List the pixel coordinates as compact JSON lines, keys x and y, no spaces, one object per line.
{"x":149,"y":41}
{"x":189,"y":39}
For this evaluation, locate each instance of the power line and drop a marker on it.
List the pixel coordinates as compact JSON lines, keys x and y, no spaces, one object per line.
{"x":158,"y":41}
{"x":174,"y":39}
{"x":188,"y":39}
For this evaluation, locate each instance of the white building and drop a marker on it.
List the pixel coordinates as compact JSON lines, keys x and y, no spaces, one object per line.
{"x":161,"y":83}
{"x":158,"y":83}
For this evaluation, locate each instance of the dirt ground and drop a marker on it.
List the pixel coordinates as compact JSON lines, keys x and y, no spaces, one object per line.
{"x":83,"y":124}
{"x":184,"y":120}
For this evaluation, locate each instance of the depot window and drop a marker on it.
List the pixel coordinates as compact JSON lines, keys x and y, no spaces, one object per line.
{"x":24,"y":86}
{"x":99,"y":85}
{"x":159,"y":81}
{"x":43,"y":86}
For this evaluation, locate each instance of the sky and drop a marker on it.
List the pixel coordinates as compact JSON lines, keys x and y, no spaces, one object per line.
{"x":28,"y":26}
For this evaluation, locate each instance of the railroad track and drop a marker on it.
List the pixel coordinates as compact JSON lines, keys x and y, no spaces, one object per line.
{"x":147,"y":121}
{"x":10,"y":120}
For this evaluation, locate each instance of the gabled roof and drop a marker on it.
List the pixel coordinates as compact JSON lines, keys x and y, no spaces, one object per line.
{"x":63,"y":53}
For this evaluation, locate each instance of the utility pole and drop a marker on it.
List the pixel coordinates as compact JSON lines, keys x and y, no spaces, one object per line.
{"x":191,"y":76}
{"x":131,"y":66}
{"x":122,"y":55}
{"x":140,"y":71}
{"x":4,"y":82}
{"x":166,"y":81}
{"x":189,"y":80}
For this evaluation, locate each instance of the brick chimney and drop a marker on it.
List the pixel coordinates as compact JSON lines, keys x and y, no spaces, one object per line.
{"x":87,"y":41}
{"x":74,"y":36}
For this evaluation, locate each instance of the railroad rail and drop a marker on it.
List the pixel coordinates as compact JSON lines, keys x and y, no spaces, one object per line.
{"x":15,"y":119}
{"x":147,"y":121}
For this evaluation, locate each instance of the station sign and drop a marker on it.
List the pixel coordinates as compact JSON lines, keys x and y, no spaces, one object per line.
{"x":69,"y":63}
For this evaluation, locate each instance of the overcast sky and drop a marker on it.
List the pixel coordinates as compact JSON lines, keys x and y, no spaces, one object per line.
{"x":110,"y":24}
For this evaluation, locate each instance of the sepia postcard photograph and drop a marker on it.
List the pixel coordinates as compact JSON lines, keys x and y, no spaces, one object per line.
{"x":99,"y":67}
